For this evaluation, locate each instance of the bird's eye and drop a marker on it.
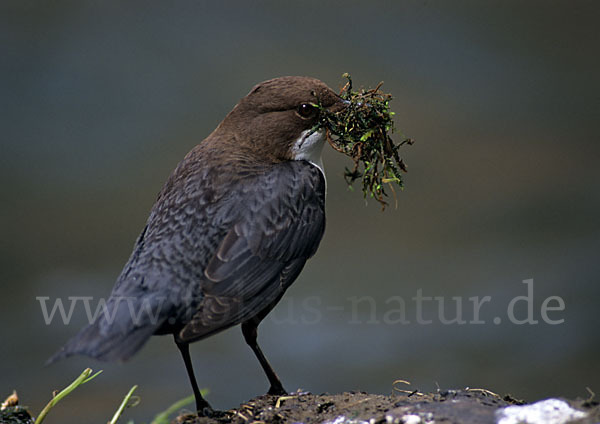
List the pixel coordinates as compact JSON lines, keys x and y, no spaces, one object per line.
{"x":306,"y":110}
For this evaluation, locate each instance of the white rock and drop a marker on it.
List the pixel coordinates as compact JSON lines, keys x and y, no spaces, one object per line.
{"x":412,"y":419}
{"x":549,"y":411}
{"x":340,"y":419}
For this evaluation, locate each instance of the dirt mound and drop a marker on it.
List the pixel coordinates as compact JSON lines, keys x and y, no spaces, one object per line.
{"x":470,"y":406}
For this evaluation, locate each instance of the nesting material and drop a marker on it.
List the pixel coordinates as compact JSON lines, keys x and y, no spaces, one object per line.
{"x":363,"y":131}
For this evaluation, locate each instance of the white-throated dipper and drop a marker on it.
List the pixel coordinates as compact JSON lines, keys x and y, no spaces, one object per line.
{"x":230,"y":231}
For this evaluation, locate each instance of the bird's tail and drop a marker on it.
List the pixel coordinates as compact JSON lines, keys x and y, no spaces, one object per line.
{"x":116,"y":337}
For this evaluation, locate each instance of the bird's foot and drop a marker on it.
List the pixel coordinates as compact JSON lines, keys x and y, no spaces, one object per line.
{"x":208,"y":412}
{"x":203,"y":409}
{"x":277,"y":390}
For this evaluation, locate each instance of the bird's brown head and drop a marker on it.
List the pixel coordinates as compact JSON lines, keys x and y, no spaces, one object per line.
{"x":274,"y":121}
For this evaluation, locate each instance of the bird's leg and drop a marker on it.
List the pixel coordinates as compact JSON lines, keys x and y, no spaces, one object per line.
{"x":250,"y":331}
{"x":202,"y":406}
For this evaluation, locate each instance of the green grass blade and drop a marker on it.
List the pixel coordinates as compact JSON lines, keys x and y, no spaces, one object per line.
{"x":163,"y":417}
{"x":123,"y":405}
{"x":82,"y":379}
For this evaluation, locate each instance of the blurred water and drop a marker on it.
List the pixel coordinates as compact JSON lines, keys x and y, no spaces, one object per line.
{"x":100,"y":101}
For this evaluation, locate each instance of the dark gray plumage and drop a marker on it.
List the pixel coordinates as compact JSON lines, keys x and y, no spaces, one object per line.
{"x":230,"y":231}
{"x":225,"y":259}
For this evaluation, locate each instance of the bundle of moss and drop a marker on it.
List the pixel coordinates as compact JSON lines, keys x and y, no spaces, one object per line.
{"x":362,"y":131}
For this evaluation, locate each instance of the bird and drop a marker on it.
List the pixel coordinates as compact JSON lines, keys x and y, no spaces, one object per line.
{"x":230,"y":231}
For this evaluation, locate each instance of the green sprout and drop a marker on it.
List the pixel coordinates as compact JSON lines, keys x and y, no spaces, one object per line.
{"x":128,"y":401}
{"x":362,"y":131}
{"x":12,"y":413}
{"x":163,"y":417}
{"x":85,"y":376}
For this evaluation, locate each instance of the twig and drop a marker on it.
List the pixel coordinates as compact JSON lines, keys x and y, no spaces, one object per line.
{"x":484,"y":391}
{"x":282,"y":398}
{"x":408,"y":392}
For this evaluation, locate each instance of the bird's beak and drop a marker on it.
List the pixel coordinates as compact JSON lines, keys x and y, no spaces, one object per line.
{"x":339,"y":105}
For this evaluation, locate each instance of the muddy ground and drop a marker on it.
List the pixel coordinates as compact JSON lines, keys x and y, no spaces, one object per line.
{"x":470,"y":406}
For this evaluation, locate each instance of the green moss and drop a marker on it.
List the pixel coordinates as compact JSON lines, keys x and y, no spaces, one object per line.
{"x":362,"y":132}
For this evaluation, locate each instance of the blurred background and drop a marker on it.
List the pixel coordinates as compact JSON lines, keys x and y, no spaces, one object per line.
{"x":100,"y":100}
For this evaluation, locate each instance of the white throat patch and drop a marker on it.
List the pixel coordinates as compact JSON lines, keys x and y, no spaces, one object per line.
{"x":309,"y":147}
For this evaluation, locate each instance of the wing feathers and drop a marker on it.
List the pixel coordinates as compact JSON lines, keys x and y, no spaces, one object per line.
{"x":280,"y":227}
